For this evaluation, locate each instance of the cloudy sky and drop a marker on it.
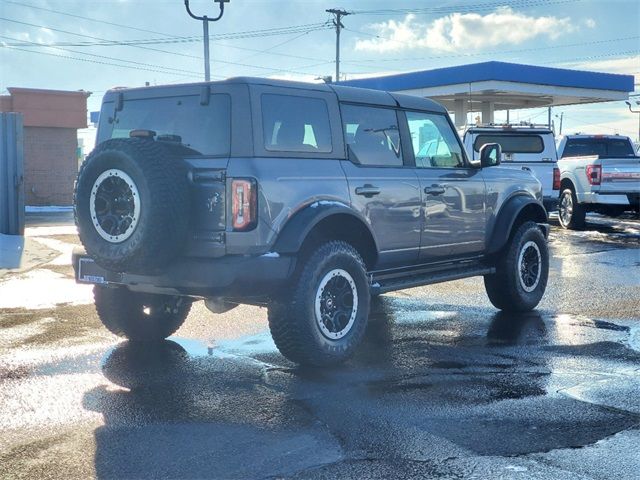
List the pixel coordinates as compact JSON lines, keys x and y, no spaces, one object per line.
{"x":97,"y":44}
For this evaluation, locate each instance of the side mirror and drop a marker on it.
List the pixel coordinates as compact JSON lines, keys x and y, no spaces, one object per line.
{"x":490,"y":155}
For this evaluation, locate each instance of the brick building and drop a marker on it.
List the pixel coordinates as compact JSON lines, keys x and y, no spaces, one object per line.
{"x":51,"y":122}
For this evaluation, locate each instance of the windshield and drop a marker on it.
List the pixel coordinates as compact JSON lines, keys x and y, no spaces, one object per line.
{"x":604,"y":147}
{"x":203,"y":128}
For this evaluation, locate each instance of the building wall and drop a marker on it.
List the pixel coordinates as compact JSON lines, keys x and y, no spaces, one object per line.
{"x":51,"y":120}
{"x":52,"y":165}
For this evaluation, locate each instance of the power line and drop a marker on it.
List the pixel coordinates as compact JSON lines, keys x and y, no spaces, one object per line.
{"x":69,"y":57}
{"x":267,"y":51}
{"x":460,"y":8}
{"x":171,"y":39}
{"x":136,"y":46}
{"x":104,"y":56}
{"x":82,"y":17}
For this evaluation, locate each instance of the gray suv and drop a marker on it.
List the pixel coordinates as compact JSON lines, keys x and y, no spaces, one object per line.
{"x":308,"y":198}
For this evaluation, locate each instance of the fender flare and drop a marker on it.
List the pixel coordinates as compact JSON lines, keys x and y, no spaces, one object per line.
{"x":297,"y":228}
{"x":507,"y":216}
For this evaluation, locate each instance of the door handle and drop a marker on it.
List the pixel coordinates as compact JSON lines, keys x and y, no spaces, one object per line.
{"x":434,"y":189}
{"x":367,"y":190}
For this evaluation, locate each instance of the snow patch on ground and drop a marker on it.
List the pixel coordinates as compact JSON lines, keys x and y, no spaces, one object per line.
{"x":48,"y":209}
{"x":39,"y":289}
{"x":53,"y":230}
{"x":65,"y":249}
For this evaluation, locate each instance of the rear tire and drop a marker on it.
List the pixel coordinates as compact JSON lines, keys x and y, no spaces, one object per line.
{"x":522,"y":271}
{"x":141,"y":317}
{"x":322,"y":320}
{"x":571,"y":214}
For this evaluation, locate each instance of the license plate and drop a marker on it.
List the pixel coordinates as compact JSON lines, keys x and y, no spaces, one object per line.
{"x":89,"y":272}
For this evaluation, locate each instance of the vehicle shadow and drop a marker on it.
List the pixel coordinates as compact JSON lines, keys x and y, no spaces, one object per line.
{"x":172,"y":413}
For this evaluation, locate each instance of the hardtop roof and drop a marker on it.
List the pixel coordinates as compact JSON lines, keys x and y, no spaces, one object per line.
{"x":344,"y":93}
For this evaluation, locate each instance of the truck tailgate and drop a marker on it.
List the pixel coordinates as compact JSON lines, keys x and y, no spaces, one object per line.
{"x":620,"y":175}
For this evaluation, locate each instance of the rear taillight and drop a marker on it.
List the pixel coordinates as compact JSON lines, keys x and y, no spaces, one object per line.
{"x":594,"y":174}
{"x":556,"y":178}
{"x":244,"y":204}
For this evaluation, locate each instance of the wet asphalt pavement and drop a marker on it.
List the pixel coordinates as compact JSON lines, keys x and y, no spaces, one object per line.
{"x":444,"y":385}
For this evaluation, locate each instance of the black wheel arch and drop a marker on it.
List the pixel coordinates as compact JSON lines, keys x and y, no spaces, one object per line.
{"x":515,"y":211}
{"x":330,"y":220}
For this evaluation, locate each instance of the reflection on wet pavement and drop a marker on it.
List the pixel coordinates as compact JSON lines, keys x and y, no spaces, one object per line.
{"x":449,"y":378}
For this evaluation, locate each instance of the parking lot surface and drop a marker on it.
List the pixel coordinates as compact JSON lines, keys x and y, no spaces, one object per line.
{"x":444,"y":385}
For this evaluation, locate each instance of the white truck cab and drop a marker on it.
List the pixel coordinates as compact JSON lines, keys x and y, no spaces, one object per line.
{"x":525,"y":147}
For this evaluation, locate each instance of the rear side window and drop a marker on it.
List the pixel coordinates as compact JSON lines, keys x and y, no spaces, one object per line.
{"x":372,"y":134}
{"x":295,"y":124}
{"x":605,"y":147}
{"x":203,"y":128}
{"x":512,"y":143}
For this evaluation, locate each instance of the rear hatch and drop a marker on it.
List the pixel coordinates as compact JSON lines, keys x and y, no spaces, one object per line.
{"x":196,"y":127}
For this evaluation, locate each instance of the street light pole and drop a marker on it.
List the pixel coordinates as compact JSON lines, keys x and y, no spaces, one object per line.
{"x":635,"y":111}
{"x":339,"y":26}
{"x":205,"y":33}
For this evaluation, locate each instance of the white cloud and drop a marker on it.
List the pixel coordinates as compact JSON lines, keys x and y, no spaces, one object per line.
{"x":590,"y":23}
{"x":468,"y":31}
{"x":625,"y":65}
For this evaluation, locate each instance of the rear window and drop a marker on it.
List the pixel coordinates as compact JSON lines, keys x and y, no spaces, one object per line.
{"x":203,"y":128}
{"x":605,"y":147}
{"x":512,"y":143}
{"x":295,"y":124}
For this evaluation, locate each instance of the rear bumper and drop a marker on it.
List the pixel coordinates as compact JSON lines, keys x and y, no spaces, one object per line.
{"x":231,"y":276}
{"x":606,"y":198}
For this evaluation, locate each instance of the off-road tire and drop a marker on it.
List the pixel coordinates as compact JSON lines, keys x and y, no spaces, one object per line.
{"x":292,"y":316}
{"x":162,"y":227}
{"x":140,"y":317}
{"x":505,"y":287}
{"x":576,"y":218}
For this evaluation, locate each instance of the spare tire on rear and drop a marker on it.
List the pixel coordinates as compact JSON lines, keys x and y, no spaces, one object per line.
{"x":131,"y":205}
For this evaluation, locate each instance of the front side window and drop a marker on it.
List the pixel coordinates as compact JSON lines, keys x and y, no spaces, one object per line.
{"x":295,"y":124}
{"x":434,"y":142}
{"x":372,"y":135}
{"x":512,"y":143}
{"x":205,"y":129}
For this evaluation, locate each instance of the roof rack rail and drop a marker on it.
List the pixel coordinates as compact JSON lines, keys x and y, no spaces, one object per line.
{"x":511,"y":125}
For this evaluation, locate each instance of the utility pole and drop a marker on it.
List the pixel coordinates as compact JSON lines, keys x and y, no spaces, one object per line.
{"x":205,"y":33}
{"x":339,"y":26}
{"x":561,"y":116}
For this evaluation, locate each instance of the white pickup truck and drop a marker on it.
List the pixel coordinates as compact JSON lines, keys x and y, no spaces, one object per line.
{"x":527,"y":147}
{"x":598,"y":173}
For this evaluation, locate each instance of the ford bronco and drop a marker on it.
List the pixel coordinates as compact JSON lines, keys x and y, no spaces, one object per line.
{"x":307,"y":198}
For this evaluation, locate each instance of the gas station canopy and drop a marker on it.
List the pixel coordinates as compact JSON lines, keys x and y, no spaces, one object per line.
{"x":491,"y":86}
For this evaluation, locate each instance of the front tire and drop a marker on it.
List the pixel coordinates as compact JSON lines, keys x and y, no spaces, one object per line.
{"x":322,"y":320}
{"x":571,"y":214}
{"x":522,"y":271}
{"x":141,"y":317}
